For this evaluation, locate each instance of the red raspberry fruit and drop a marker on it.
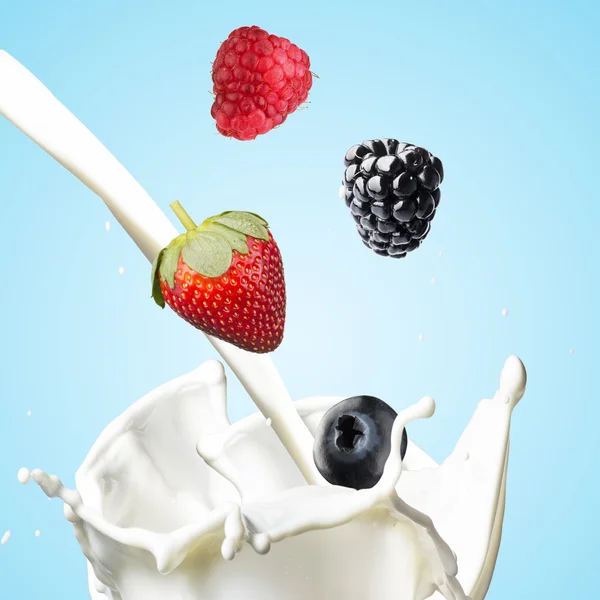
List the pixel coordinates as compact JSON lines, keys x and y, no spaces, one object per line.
{"x":259,"y":79}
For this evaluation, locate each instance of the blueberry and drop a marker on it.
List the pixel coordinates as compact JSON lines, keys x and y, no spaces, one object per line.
{"x":352,"y":442}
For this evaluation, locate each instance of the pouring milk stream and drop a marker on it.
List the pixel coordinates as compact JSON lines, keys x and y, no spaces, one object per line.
{"x":171,"y":487}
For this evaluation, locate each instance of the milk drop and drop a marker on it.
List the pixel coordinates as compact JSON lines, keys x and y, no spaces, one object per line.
{"x":23,"y":475}
{"x":433,"y":281}
{"x":37,"y":533}
{"x":121,"y":270}
{"x":107,"y":225}
{"x":504,"y":312}
{"x":5,"y":538}
{"x":421,"y":337}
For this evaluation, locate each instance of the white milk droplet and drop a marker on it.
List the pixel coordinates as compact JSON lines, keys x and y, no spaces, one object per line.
{"x":433,"y":281}
{"x":342,"y":192}
{"x":28,"y":413}
{"x":5,"y":538}
{"x":37,"y":533}
{"x":421,"y":337}
{"x":268,"y":422}
{"x":121,"y":270}
{"x":441,"y":253}
{"x":504,"y":312}
{"x":107,"y":225}
{"x":571,"y":351}
{"x":23,"y":475}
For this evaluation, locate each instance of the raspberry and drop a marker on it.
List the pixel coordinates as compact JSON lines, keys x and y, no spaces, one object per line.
{"x":392,"y":190}
{"x":258,"y":80}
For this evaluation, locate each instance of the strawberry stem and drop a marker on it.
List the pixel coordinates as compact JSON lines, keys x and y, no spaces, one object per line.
{"x":185,"y":219}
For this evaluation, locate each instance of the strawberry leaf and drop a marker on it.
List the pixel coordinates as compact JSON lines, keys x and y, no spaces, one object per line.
{"x":170,"y":259}
{"x":156,"y":291}
{"x":246,"y":223}
{"x":229,"y":212}
{"x":236,"y":240}
{"x":207,"y":252}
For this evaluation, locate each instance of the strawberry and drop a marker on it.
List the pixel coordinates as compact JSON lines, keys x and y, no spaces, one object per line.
{"x":225,"y":277}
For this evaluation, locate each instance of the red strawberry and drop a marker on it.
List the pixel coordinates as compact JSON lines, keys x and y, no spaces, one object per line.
{"x":259,"y":79}
{"x":225,"y":277}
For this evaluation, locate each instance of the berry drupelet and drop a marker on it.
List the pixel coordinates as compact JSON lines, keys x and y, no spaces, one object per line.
{"x":392,"y":190}
{"x":259,"y":79}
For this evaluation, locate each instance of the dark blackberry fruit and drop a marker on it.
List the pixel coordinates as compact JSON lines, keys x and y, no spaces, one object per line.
{"x":392,"y":188}
{"x":352,"y":442}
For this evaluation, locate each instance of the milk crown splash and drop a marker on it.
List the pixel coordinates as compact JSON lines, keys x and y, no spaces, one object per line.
{"x":133,"y":500}
{"x":174,"y":537}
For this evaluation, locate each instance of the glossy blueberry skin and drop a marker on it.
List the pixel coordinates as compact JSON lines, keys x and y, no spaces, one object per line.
{"x":352,"y":442}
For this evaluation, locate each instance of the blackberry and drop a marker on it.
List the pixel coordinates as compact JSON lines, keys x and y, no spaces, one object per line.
{"x":392,"y":191}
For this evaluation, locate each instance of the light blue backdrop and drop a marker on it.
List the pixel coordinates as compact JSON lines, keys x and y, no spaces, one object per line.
{"x":506,"y":93}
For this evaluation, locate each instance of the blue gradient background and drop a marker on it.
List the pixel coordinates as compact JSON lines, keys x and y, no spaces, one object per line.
{"x":505,"y":93}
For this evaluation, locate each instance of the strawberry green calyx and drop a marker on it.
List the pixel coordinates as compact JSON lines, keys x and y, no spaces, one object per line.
{"x":206,"y":248}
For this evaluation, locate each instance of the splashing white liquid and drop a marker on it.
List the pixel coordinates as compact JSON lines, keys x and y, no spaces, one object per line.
{"x":152,"y":517}
{"x":5,"y":538}
{"x":143,"y":492}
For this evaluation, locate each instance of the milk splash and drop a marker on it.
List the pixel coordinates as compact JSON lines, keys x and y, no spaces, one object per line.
{"x":174,"y":481}
{"x":155,"y":519}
